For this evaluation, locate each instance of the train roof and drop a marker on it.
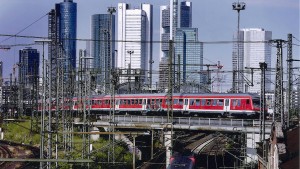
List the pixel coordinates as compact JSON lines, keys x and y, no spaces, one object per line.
{"x":182,"y":94}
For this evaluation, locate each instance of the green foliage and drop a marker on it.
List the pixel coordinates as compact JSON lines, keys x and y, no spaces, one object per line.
{"x":20,"y":132}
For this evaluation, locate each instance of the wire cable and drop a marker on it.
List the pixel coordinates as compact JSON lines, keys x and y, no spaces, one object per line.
{"x":23,"y":29}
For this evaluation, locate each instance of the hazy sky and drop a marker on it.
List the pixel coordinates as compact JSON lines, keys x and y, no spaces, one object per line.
{"x":215,"y":20}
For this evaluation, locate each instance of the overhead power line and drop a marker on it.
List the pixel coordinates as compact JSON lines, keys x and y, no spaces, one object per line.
{"x":84,"y":39}
{"x":23,"y":29}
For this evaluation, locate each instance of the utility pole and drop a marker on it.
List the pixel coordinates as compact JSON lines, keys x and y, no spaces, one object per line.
{"x":45,"y":122}
{"x":208,"y":75}
{"x":238,"y":6}
{"x":130,"y":52}
{"x":263,"y":67}
{"x":279,"y":103}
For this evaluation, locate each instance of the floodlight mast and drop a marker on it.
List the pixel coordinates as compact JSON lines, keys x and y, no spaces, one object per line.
{"x":238,"y":6}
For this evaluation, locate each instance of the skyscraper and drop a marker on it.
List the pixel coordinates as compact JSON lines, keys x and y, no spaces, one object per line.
{"x":188,"y":58}
{"x":250,"y":56}
{"x":135,"y":33}
{"x":255,"y":53}
{"x":29,"y":60}
{"x":101,"y":46}
{"x":185,"y":14}
{"x":168,"y":31}
{"x":62,"y":30}
{"x":173,"y":18}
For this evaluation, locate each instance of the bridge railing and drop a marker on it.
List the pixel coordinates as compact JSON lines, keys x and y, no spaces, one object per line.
{"x":191,"y":121}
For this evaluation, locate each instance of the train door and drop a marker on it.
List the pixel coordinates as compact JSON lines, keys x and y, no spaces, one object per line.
{"x":117,"y":104}
{"x":185,"y":105}
{"x":227,"y":105}
{"x":144,"y":105}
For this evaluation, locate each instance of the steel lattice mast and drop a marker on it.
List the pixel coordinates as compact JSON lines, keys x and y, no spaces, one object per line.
{"x":279,"y":103}
{"x":289,"y":78}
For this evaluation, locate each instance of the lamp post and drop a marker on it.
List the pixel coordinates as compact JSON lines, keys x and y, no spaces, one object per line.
{"x":130,"y":52}
{"x":238,"y":6}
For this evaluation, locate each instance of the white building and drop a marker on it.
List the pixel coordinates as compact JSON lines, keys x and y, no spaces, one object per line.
{"x":251,"y":52}
{"x":135,"y":30}
{"x":254,"y":53}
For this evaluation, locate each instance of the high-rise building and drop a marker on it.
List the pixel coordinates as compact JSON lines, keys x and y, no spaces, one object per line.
{"x":135,"y":37}
{"x":188,"y":59}
{"x":63,"y":28}
{"x":185,"y":14}
{"x":103,"y":46}
{"x":165,"y":29}
{"x":173,"y":18}
{"x":168,"y":30}
{"x":29,"y":60}
{"x":250,"y":56}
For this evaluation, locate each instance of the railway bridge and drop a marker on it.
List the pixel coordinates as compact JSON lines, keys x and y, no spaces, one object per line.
{"x":249,"y":127}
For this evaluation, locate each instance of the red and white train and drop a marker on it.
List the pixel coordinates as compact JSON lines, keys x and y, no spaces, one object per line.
{"x":189,"y":104}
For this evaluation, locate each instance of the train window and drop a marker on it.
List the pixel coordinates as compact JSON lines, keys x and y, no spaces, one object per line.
{"x":247,"y":101}
{"x":234,"y":102}
{"x":181,"y":101}
{"x":197,"y":102}
{"x":136,"y":101}
{"x":256,"y":103}
{"x":208,"y":102}
{"x":128,"y":101}
{"x":132,"y":101}
{"x":144,"y":101}
{"x":175,"y":101}
{"x":220,"y":102}
{"x":214,"y":102}
{"x":203,"y":102}
{"x":238,"y":102}
{"x":140,"y":101}
{"x":192,"y":101}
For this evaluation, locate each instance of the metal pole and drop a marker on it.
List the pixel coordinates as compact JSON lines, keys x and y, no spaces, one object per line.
{"x":129,"y":66}
{"x":133,"y":153}
{"x":238,"y":6}
{"x":290,"y":79}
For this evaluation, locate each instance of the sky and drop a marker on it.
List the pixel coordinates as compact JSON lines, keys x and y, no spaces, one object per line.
{"x":215,"y":20}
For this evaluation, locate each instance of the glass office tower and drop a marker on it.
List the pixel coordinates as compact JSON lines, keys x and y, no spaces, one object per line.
{"x":186,"y":14}
{"x":188,"y":58}
{"x":66,"y":22}
{"x":102,"y":50}
{"x":29,"y":60}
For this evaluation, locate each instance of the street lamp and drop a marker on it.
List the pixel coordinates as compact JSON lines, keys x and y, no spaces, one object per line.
{"x":238,"y":6}
{"x":130,"y":52}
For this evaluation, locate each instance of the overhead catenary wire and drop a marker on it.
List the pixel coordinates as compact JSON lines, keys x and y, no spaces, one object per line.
{"x":24,"y":28}
{"x":154,"y":41}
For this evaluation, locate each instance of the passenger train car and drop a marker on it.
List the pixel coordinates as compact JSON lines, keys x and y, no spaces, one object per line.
{"x":188,"y":104}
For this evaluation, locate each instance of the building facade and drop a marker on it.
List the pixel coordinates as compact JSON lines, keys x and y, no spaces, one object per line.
{"x":62,"y":30}
{"x":169,"y":19}
{"x":185,"y":14}
{"x":188,"y":58}
{"x":29,"y":60}
{"x":255,"y":53}
{"x":135,"y":32}
{"x":250,"y":54}
{"x":103,"y":47}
